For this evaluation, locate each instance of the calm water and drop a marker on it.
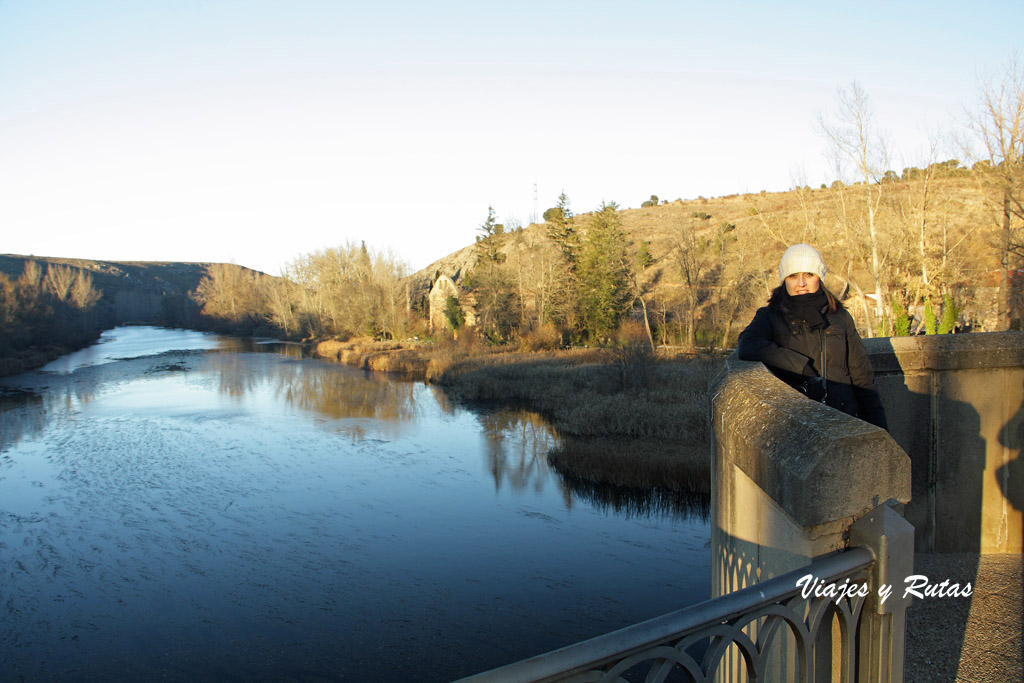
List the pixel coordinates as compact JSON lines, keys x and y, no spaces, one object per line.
{"x":173,"y":506}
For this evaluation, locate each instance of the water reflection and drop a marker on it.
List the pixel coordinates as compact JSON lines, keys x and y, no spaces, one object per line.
{"x":345,"y":399}
{"x":134,"y":342}
{"x":276,"y":346}
{"x":21,"y":414}
{"x":207,"y":513}
{"x":517,"y":444}
{"x":635,"y":477}
{"x":678,"y":505}
{"x":521,"y":449}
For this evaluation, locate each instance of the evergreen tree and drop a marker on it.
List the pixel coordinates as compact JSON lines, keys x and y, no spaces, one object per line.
{"x":490,"y":227}
{"x":900,"y":320}
{"x":562,"y":230}
{"x":644,"y":259}
{"x":487,"y":240}
{"x":561,"y":303}
{"x":453,"y":312}
{"x":950,"y":315}
{"x":931,"y":323}
{"x":604,"y":275}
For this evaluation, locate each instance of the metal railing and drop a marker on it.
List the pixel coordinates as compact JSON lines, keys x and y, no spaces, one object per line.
{"x":732,"y":636}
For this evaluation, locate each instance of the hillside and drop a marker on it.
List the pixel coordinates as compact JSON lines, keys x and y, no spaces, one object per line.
{"x":133,"y":291}
{"x":115,"y":277}
{"x":741,"y":237}
{"x":692,"y":270}
{"x":50,"y":306}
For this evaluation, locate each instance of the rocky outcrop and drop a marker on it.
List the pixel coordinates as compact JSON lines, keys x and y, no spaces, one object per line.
{"x":444,"y":287}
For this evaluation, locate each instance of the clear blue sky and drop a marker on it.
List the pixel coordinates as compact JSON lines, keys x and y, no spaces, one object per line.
{"x":257,"y":131}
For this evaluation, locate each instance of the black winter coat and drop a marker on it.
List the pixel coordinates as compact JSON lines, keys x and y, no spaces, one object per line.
{"x":793,"y":352}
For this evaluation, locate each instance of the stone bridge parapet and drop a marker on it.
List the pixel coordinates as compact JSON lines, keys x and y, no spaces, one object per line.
{"x":790,"y":476}
{"x":955,"y":403}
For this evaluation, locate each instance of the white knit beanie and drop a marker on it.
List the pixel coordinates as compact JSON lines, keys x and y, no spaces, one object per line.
{"x":801,"y":258}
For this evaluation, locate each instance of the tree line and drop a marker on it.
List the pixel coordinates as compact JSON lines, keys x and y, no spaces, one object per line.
{"x":935,"y":248}
{"x":347,"y":291}
{"x":576,"y":286}
{"x":44,"y":313}
{"x":916,"y":250}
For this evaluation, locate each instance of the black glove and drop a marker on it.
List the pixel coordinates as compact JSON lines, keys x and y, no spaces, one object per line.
{"x":814,"y":388}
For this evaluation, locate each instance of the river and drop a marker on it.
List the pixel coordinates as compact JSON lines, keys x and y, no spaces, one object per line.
{"x":181,"y":506}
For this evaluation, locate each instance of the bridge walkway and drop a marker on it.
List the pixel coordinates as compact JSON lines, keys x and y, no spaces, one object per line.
{"x":976,"y":640}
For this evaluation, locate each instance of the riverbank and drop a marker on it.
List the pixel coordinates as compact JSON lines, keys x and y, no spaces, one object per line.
{"x":18,"y":361}
{"x":628,"y":417}
{"x":410,"y":359}
{"x":622,"y":392}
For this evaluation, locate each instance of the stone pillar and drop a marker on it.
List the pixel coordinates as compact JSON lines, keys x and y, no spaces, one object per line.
{"x":883,"y":622}
{"x":789,"y":478}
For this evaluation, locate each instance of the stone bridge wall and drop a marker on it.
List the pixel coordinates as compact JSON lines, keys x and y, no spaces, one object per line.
{"x":789,"y":476}
{"x":955,"y":403}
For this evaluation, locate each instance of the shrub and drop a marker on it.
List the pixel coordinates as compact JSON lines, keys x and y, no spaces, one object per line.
{"x":931,"y":323}
{"x":329,"y":349}
{"x":546,"y":337}
{"x":644,"y":258}
{"x":11,"y":366}
{"x":453,"y":312}
{"x":632,"y":354}
{"x":900,"y":320}
{"x":554,"y":215}
{"x":950,"y":315}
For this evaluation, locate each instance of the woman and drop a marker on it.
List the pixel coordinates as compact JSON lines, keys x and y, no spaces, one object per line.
{"x":807,"y":339}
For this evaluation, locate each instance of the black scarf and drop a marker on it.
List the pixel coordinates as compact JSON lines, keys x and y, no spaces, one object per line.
{"x":806,"y":309}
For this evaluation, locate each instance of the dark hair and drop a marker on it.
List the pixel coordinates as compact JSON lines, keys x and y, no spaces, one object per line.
{"x":779,"y":299}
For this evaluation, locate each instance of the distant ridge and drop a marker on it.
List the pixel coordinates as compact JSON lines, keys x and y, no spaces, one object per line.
{"x":162,"y":278}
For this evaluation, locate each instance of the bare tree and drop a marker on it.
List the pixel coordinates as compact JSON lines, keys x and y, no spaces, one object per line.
{"x":998,"y":124}
{"x":59,"y":280}
{"x":855,"y":143}
{"x":281,"y":303}
{"x":83,"y":295}
{"x":348,"y":290}
{"x":230,"y":292}
{"x":695,"y":255}
{"x":642,"y":289}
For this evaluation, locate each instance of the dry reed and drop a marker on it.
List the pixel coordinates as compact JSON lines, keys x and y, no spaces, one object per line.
{"x":586,"y":393}
{"x":583,"y":393}
{"x":379,"y":356}
{"x":629,"y":418}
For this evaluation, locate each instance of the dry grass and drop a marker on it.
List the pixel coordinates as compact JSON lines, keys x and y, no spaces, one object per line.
{"x":585,"y":392}
{"x":629,"y":419}
{"x":543,"y":338}
{"x":634,"y":448}
{"x":622,"y":392}
{"x":410,"y":362}
{"x":387,"y":356}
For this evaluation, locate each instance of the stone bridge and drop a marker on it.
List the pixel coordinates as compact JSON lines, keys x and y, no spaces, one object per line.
{"x":800,"y":489}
